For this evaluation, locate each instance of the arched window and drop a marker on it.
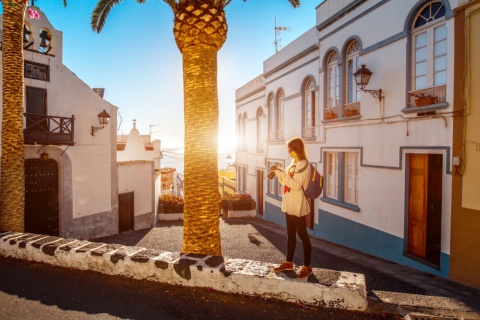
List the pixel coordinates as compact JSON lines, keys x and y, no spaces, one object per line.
{"x":352,"y":59}
{"x":27,"y":36}
{"x":45,"y":41}
{"x":260,"y":125}
{"x":279,"y":114}
{"x":309,"y":109}
{"x":429,"y":39}
{"x":240,"y":131}
{"x":271,"y":117}
{"x":244,"y":138}
{"x":332,"y":80}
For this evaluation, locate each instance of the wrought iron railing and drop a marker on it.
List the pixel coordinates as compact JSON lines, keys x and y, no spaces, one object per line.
{"x":43,"y":129}
{"x":439,"y":92}
{"x":351,"y":109}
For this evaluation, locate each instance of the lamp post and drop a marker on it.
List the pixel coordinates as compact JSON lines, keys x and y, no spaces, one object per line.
{"x":362,"y":77}
{"x":103,"y":118}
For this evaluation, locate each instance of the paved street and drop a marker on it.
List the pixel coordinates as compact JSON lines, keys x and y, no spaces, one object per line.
{"x":37,"y":291}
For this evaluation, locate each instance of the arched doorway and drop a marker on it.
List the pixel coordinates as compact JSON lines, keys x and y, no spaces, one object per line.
{"x":41,"y":197}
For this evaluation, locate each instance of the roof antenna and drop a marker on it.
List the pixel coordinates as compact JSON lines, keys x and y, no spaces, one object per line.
{"x":277,"y":32}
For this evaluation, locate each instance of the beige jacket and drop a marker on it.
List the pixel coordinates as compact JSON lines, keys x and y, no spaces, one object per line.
{"x":294,"y":201}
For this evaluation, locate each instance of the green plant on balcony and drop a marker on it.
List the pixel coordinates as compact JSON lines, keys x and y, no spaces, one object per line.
{"x":237,"y":202}
{"x":170,"y":204}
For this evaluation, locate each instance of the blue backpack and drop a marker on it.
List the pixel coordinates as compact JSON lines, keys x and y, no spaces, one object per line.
{"x":315,"y":183}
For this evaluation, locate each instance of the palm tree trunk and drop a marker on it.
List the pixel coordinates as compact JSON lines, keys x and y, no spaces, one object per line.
{"x":201,"y":212}
{"x":12,"y":185}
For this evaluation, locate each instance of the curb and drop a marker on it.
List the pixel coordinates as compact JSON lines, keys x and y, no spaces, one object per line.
{"x":324,"y":288}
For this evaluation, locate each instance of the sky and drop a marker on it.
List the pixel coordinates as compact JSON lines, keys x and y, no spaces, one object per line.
{"x":136,"y":60}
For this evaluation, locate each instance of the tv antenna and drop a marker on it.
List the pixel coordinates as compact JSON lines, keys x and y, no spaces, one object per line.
{"x":151,"y":126}
{"x":277,"y":32}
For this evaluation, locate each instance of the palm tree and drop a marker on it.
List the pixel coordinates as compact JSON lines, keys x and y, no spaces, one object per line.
{"x":200,"y":30}
{"x":12,"y":186}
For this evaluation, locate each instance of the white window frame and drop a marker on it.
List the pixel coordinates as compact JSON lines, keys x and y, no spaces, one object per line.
{"x":333,"y":80}
{"x":309,"y":107}
{"x":431,"y":53}
{"x":352,"y":60}
{"x":274,"y":187}
{"x":338,"y":165}
{"x":260,"y":124}
{"x":271,"y":117}
{"x":279,"y":119}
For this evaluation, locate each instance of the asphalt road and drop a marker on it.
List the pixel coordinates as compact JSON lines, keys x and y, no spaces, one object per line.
{"x":36,"y":291}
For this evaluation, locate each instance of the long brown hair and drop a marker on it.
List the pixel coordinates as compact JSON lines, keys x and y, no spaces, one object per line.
{"x":297,"y":145}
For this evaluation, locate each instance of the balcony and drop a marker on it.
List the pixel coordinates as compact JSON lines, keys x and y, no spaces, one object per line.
{"x":48,"y":130}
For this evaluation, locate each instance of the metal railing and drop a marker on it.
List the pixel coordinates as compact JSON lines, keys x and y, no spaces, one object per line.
{"x":439,"y":92}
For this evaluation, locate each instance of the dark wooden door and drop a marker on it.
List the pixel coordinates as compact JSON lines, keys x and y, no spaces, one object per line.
{"x":41,"y":197}
{"x":260,"y":191}
{"x":125,"y":211}
{"x":309,"y":217}
{"x":425,"y":206}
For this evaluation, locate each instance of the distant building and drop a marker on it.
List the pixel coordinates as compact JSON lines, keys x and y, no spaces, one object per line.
{"x":389,"y":159}
{"x":70,"y":159}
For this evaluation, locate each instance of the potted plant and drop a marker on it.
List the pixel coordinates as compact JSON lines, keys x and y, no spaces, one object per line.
{"x":237,"y":202}
{"x":169,"y":204}
{"x":422,"y":99}
{"x":350,"y":112}
{"x":329,"y":114}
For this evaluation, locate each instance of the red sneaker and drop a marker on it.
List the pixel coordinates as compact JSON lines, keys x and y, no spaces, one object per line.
{"x":304,"y":272}
{"x":286,"y":265}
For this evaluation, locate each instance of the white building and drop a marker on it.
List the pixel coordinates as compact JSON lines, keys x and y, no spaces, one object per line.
{"x":72,"y":191}
{"x":387,"y":163}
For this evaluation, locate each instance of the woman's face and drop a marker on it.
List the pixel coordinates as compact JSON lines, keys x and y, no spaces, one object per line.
{"x":292,"y":154}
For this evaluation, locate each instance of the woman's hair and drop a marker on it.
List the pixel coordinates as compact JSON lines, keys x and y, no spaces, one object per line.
{"x":296,"y":144}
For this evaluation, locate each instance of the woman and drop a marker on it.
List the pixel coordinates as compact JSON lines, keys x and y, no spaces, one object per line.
{"x":295,"y":205}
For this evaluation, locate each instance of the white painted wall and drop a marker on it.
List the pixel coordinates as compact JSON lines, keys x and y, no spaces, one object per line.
{"x":139,"y":177}
{"x":92,"y":188}
{"x":382,"y":130}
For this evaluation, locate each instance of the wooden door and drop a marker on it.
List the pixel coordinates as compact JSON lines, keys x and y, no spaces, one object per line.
{"x":425,"y":206}
{"x":126,"y":211}
{"x":310,"y":215}
{"x":41,"y":197}
{"x":260,"y":191}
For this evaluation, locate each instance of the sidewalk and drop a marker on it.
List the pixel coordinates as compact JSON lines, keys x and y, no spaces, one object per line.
{"x":391,"y":287}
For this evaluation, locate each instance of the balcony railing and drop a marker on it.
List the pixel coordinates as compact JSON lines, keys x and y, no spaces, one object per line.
{"x":43,"y":129}
{"x":439,"y":92}
{"x":308,"y":132}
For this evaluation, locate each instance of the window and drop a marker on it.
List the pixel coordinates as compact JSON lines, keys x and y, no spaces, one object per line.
{"x":341,"y":177}
{"x":240,"y":131}
{"x":271,"y":118}
{"x":260,"y":121}
{"x":38,"y":71}
{"x":45,"y":41}
{"x":274,"y":187}
{"x":275,"y":116}
{"x":429,"y":38}
{"x":244,"y":131}
{"x":279,"y":114}
{"x":353,"y":64}
{"x":309,"y":109}
{"x":242,"y":179}
{"x":332,"y":80}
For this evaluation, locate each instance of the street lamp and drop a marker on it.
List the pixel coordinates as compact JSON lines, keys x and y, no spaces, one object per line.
{"x":362,"y":77}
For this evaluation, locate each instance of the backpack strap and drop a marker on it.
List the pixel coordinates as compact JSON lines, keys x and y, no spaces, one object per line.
{"x":303,"y":169}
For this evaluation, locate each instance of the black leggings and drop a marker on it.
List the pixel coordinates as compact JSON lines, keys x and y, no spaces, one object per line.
{"x":298,"y":225}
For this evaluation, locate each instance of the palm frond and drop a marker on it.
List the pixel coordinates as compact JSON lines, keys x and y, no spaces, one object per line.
{"x":100,"y":13}
{"x":171,"y":4}
{"x":64,"y":3}
{"x":295,"y":3}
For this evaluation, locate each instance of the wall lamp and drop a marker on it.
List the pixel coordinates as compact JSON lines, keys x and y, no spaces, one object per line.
{"x":362,"y":77}
{"x":103,"y":118}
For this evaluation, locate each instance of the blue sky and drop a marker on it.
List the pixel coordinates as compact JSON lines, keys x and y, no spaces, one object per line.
{"x":136,"y":60}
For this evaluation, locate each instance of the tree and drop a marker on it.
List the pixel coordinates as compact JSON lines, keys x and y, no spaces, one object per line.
{"x":200,"y":30}
{"x":12,"y":186}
